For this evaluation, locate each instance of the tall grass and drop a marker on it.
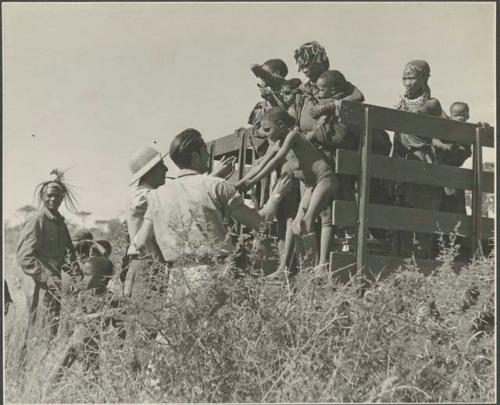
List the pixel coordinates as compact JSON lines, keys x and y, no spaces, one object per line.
{"x":406,"y":338}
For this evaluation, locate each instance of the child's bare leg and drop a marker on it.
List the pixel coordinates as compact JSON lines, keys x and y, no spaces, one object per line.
{"x":321,"y":196}
{"x":293,"y":228}
{"x":288,"y":247}
{"x":287,"y":211}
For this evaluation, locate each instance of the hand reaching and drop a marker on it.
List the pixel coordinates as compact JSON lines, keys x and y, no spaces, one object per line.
{"x":244,"y":184}
{"x":266,"y":92}
{"x":224,"y":168}
{"x":437,"y":143}
{"x":282,"y":186}
{"x":483,"y":124}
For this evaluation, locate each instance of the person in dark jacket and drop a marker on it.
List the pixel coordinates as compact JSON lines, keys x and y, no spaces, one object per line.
{"x":46,"y":255}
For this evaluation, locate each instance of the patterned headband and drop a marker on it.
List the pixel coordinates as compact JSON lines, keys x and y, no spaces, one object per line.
{"x":311,"y":52}
{"x":419,"y":67}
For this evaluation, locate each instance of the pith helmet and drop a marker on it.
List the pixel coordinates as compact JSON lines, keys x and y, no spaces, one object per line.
{"x":142,"y":161}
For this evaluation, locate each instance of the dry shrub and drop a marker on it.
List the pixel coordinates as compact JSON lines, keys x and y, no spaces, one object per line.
{"x":407,"y":338}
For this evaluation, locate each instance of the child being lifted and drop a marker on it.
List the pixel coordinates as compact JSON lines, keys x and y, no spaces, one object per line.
{"x":304,"y":161}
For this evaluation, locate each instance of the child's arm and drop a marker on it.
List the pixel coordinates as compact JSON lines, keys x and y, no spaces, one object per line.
{"x":243,"y":183}
{"x":277,"y":159}
{"x":329,"y":134}
{"x":356,"y":95}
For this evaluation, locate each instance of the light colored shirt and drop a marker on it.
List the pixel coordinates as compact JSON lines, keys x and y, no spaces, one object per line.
{"x":188,"y":214}
{"x":135,"y":216}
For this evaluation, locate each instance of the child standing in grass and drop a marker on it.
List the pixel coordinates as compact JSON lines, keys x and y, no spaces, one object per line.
{"x":306,"y":163}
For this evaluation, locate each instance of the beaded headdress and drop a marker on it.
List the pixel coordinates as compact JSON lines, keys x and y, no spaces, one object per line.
{"x":311,"y":52}
{"x":419,"y":66}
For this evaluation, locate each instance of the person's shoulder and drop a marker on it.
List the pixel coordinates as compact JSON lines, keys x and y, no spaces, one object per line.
{"x":213,"y":180}
{"x":433,"y":101}
{"x":433,"y":106}
{"x":34,"y":217}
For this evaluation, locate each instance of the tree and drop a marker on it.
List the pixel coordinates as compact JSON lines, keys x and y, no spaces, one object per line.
{"x":83,"y":215}
{"x":26,"y":210}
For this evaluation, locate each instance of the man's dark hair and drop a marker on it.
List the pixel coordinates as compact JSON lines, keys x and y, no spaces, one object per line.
{"x":183,"y":146}
{"x":277,"y":66}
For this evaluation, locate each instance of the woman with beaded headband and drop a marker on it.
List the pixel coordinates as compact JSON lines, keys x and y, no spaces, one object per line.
{"x":312,"y":60}
{"x":417,"y":98}
{"x":46,"y":254}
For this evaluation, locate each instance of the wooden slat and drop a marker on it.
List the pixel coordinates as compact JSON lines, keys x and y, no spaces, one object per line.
{"x":413,"y":171}
{"x":416,"y":124}
{"x":408,"y":219}
{"x":477,"y":193}
{"x":226,"y":144}
{"x":241,"y":167}
{"x":364,"y":189}
{"x":343,"y":265}
{"x":211,"y":149}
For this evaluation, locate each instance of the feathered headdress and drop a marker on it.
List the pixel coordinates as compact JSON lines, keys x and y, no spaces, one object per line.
{"x":58,"y":180}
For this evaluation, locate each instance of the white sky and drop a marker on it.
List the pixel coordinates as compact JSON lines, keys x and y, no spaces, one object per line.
{"x":96,"y":81}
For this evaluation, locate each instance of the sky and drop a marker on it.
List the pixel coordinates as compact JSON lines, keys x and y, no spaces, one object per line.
{"x":87,"y":84}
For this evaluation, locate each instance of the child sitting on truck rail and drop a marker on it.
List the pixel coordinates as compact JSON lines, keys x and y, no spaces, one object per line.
{"x":306,"y":163}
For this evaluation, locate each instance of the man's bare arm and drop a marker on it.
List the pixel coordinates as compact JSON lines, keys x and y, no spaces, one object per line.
{"x":144,"y":236}
{"x":254,"y":219}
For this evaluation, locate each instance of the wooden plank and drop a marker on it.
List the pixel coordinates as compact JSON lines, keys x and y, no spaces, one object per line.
{"x":408,"y":219}
{"x":364,"y":189}
{"x":343,"y":265}
{"x":477,"y":192}
{"x":226,"y":144}
{"x":211,"y":149}
{"x":241,"y":168}
{"x":416,"y":124}
{"x":413,"y":171}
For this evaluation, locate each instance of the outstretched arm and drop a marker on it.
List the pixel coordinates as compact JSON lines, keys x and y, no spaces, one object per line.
{"x":356,"y":95}
{"x":273,"y":149}
{"x":278,"y":158}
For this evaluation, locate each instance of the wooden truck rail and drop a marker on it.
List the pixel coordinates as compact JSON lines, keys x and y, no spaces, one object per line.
{"x":362,"y":214}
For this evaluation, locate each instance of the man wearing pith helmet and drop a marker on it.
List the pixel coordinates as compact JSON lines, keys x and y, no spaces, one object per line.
{"x":148,"y":173}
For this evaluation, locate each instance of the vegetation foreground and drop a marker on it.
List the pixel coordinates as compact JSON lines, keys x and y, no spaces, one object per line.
{"x":407,"y":338}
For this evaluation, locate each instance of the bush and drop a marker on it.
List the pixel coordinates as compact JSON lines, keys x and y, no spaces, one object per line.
{"x":407,"y":338}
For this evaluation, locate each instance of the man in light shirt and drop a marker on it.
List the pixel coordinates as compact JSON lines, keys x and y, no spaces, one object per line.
{"x":148,"y":173}
{"x":186,"y":215}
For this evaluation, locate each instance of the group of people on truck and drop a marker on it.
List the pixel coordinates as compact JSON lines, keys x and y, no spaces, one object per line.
{"x":295,"y":132}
